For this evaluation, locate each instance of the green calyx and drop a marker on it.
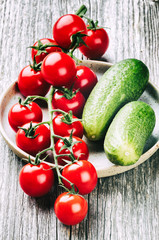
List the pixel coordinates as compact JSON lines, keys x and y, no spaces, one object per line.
{"x":25,"y":103}
{"x":68,"y":144}
{"x":68,"y":118}
{"x":36,"y":66}
{"x":77,"y":40}
{"x":74,"y":190}
{"x":30,"y":132}
{"x":91,"y":24}
{"x":68,"y":93}
{"x":41,"y":48}
{"x":35,"y":162}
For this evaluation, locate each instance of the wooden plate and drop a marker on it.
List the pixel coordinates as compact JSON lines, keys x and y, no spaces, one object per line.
{"x":97,"y":156}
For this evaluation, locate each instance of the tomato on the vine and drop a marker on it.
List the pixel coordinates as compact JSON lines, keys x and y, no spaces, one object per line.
{"x":83,"y":174}
{"x":69,"y":100}
{"x":85,"y":80}
{"x":36,"y":180}
{"x":20,"y":114}
{"x":97,"y":43}
{"x":41,"y":49}
{"x":63,"y":127}
{"x":58,"y":69}
{"x":70,"y":209}
{"x":33,"y":139}
{"x":79,"y":149}
{"x":65,"y":27}
{"x":31,"y":82}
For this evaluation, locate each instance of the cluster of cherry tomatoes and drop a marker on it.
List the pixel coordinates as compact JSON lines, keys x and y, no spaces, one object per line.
{"x":54,"y":67}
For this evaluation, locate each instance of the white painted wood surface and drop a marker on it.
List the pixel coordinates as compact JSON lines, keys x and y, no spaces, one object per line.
{"x":123,"y":207}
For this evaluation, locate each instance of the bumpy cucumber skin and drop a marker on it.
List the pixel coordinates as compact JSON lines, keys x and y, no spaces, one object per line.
{"x":128,"y":132}
{"x":123,"y":82}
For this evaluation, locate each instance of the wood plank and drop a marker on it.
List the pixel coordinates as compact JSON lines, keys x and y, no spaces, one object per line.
{"x":121,"y":207}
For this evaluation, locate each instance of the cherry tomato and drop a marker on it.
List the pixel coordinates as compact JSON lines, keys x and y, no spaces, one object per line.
{"x":44,"y":42}
{"x":40,"y":140}
{"x":59,"y":69}
{"x":65,"y":27}
{"x":36,"y":180}
{"x":97,"y":43}
{"x":75,"y":104}
{"x":70,"y":209}
{"x":85,"y":81}
{"x":83,"y":174}
{"x":19,"y":114}
{"x":80,"y":150}
{"x":31,"y":82}
{"x":63,"y":129}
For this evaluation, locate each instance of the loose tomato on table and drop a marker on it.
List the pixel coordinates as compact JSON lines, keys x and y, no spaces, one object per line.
{"x":68,"y":99}
{"x":85,"y":80}
{"x":97,"y":43}
{"x":78,"y":147}
{"x":31,"y":82}
{"x":19,"y":114}
{"x":70,"y":209}
{"x":36,"y":180}
{"x":58,"y":69}
{"x":67,"y":26}
{"x":32,"y":138}
{"x":83,"y":174}
{"x":63,"y":125}
{"x":41,"y":49}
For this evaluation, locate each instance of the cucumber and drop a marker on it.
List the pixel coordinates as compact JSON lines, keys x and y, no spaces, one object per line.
{"x":128,"y":132}
{"x":123,"y":82}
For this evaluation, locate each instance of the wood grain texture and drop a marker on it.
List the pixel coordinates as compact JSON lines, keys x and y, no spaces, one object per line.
{"x":122,"y":207}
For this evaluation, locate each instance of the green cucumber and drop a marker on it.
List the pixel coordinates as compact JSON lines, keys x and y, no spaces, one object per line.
{"x":128,"y":132}
{"x":123,"y":82}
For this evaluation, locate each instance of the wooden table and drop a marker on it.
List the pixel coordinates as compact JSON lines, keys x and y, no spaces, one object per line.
{"x":123,"y":207}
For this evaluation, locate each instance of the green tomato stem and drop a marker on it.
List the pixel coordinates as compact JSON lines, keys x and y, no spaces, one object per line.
{"x":58,"y":110}
{"x":33,"y":98}
{"x":52,"y":135}
{"x":41,"y":123}
{"x":43,"y":151}
{"x":81,"y":11}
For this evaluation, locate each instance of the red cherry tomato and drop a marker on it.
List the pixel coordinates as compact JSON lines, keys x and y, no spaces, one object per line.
{"x":80,"y":150}
{"x":19,"y":114}
{"x":31,"y":82}
{"x":36,"y":180}
{"x":97,"y":43}
{"x":70,"y":209}
{"x":43,"y":42}
{"x":85,"y":81}
{"x":59,"y":69}
{"x":75,"y":104}
{"x":63,"y":129}
{"x":65,"y":27}
{"x":83,"y":174}
{"x":34,"y":145}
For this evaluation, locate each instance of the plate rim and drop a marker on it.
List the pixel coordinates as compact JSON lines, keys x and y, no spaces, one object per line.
{"x":105,"y":172}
